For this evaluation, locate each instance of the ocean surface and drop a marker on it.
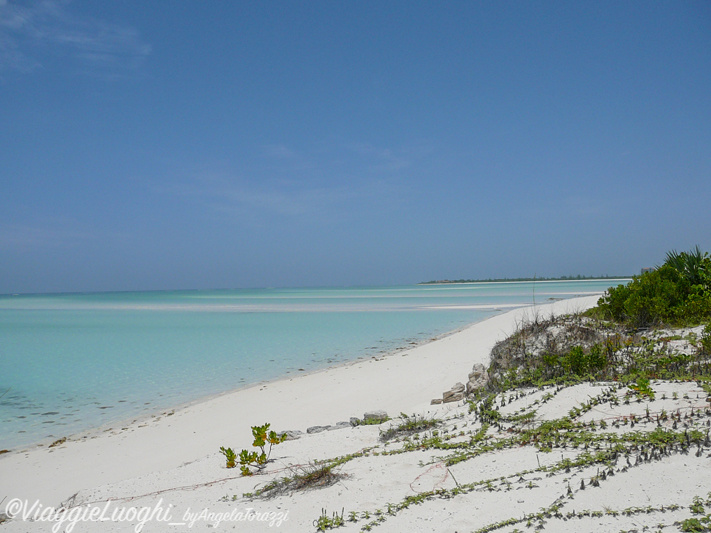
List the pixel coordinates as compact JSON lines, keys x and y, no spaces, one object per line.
{"x":72,"y":362}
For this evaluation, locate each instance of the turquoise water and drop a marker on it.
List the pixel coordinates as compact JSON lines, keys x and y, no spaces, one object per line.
{"x":71,"y":362}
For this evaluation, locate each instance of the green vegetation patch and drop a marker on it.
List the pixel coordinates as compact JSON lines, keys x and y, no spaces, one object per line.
{"x":677,"y":293}
{"x":409,"y":426}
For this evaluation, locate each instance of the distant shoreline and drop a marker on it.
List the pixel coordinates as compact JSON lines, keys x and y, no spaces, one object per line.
{"x":523,"y":280}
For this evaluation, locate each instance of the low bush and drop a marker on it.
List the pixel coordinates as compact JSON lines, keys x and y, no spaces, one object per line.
{"x":248,"y":460}
{"x":676,"y":293}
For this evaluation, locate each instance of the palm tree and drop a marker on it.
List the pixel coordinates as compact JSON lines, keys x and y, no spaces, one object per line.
{"x":689,"y":264}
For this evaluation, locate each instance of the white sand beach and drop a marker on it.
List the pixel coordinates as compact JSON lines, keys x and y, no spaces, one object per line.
{"x":170,"y":463}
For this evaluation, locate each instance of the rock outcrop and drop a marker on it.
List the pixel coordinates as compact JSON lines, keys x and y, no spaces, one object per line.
{"x":455,"y":394}
{"x":478,"y":378}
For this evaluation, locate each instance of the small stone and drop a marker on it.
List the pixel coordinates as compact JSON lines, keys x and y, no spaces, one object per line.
{"x":474,"y":385}
{"x":316,"y":429}
{"x":375,"y":415}
{"x":478,"y":371}
{"x":355,"y":421}
{"x":450,"y":397}
{"x":436,"y":401}
{"x":339,"y":426}
{"x":458,"y":387}
{"x":292,"y":434}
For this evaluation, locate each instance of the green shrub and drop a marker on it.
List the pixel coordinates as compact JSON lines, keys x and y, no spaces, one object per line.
{"x":642,"y":388}
{"x":578,"y":361}
{"x":693,"y":525}
{"x":597,"y":358}
{"x":706,"y":339}
{"x":262,"y":437}
{"x":230,"y":456}
{"x":678,"y":292}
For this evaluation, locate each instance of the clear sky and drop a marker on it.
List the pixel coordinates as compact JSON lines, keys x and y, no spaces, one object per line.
{"x":192,"y":144}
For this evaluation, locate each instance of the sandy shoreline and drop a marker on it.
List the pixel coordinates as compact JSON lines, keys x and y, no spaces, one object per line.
{"x":405,"y":381}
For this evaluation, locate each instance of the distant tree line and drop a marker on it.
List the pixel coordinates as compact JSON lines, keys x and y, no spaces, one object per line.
{"x":495,"y":280}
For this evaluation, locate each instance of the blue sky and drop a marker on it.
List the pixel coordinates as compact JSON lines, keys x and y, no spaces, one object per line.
{"x":178,"y":145}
